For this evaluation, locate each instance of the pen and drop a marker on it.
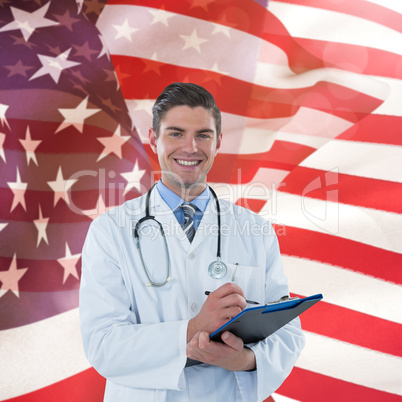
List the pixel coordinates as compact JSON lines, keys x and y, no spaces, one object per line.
{"x":248,"y":301}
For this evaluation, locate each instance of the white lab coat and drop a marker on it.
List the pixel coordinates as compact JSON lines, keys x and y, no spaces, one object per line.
{"x":135,"y":335}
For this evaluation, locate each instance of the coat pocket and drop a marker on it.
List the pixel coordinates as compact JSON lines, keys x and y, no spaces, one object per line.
{"x":250,"y":279}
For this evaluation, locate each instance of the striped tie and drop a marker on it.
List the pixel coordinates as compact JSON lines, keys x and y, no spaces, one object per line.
{"x":187,"y":226}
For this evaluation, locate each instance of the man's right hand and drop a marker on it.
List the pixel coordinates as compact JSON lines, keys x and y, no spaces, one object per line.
{"x":221,"y":305}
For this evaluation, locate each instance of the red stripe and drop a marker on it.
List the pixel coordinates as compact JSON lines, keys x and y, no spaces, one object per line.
{"x":359,"y":257}
{"x":377,"y":129}
{"x":49,"y":269}
{"x":67,"y":142}
{"x":110,"y":191}
{"x":87,"y":386}
{"x":354,"y":58}
{"x":353,"y":327}
{"x":343,"y":188}
{"x":35,"y":306}
{"x":304,"y":385}
{"x":243,"y":98}
{"x":61,"y":213}
{"x":234,"y":96}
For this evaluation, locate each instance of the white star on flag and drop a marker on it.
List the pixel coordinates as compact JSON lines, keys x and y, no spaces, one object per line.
{"x":76,"y":116}
{"x":113,"y":144}
{"x":69,"y":262}
{"x":54,"y":65}
{"x":221,"y":28}
{"x":124,"y":31}
{"x":3,"y":110}
{"x":144,"y":105}
{"x":28,"y":22}
{"x":30,"y":145}
{"x":160,"y":16}
{"x":2,"y":139}
{"x":18,"y":188}
{"x":193,"y":41}
{"x":216,"y":69}
{"x":41,"y":225}
{"x":140,"y":111}
{"x":133,"y":178}
{"x":61,"y":187}
{"x":204,"y":4}
{"x":11,"y":277}
{"x":104,"y":50}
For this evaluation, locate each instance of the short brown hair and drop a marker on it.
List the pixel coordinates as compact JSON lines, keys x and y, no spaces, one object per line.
{"x":184,"y":94}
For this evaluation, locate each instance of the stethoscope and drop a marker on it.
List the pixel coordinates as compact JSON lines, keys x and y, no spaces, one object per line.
{"x":217,"y":269}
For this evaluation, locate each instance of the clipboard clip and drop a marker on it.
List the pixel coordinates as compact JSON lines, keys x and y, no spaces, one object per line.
{"x":283,"y":299}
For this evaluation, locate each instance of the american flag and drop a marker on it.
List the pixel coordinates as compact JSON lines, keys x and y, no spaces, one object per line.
{"x":310,"y":92}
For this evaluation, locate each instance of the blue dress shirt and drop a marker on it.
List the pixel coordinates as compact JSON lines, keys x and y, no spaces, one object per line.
{"x":174,"y":202}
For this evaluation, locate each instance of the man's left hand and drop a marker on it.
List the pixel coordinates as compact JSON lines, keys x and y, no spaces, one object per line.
{"x":230,"y":355}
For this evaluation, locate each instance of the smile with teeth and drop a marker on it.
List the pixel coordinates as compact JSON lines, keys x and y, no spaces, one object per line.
{"x":187,"y":163}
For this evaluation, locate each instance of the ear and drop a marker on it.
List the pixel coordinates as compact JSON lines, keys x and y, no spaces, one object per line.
{"x":152,"y":140}
{"x":218,"y":143}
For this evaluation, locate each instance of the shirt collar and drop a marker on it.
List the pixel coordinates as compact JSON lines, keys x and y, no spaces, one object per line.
{"x":174,"y":201}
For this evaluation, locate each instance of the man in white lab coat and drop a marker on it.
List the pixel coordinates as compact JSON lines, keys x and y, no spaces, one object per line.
{"x":140,"y":336}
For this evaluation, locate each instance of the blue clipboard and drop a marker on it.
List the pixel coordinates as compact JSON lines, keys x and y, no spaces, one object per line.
{"x":256,"y":323}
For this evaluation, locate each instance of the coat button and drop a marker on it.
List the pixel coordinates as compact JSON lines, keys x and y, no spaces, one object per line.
{"x":191,"y":256}
{"x":194,"y":307}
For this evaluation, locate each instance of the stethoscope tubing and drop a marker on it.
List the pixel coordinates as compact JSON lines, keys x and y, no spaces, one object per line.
{"x":148,"y":216}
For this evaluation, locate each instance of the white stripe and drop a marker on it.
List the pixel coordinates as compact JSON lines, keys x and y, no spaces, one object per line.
{"x":332,"y":26}
{"x":395,"y":5}
{"x":392,"y":105}
{"x":281,"y":398}
{"x":376,"y":228}
{"x":243,"y":135}
{"x":40,"y":354}
{"x":273,"y":76}
{"x":270,"y":73}
{"x":369,"y":226}
{"x":307,"y":140}
{"x":316,"y":122}
{"x":345,"y":288}
{"x":270,"y":178}
{"x":351,"y":363}
{"x":363,"y":159}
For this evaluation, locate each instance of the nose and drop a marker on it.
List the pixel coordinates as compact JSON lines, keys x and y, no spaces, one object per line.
{"x":190,"y":144}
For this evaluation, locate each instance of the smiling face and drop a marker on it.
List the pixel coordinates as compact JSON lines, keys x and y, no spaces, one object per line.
{"x":186,"y":145}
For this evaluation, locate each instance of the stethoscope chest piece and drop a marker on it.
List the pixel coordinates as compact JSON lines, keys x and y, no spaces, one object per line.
{"x":217,"y":269}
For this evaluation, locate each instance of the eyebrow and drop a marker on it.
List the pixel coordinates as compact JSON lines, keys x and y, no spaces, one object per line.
{"x":182,"y":130}
{"x":174,"y":128}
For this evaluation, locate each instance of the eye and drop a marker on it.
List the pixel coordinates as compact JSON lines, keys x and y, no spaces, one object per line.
{"x":204,"y":136}
{"x":175,"y":134}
